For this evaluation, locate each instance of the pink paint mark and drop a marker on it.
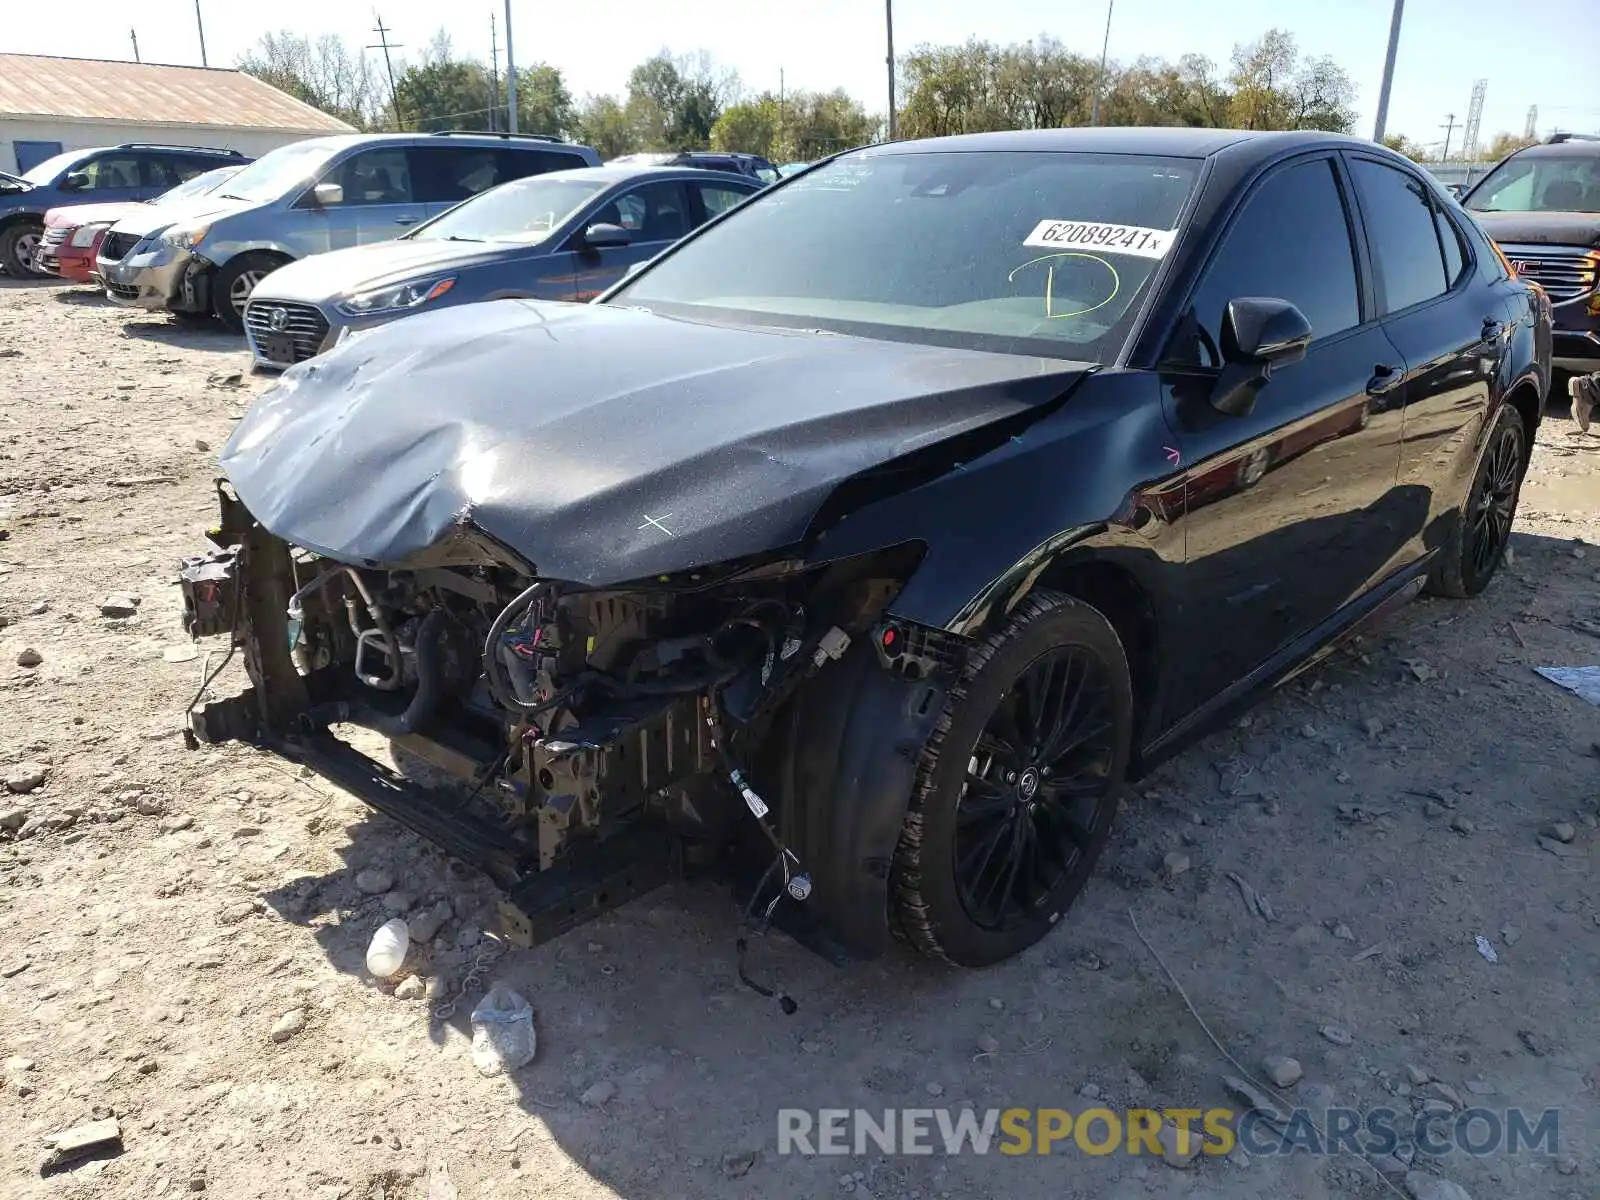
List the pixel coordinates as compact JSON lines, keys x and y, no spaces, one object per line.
{"x":1172,"y":455}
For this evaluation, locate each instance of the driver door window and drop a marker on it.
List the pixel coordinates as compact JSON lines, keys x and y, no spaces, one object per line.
{"x":380,"y":200}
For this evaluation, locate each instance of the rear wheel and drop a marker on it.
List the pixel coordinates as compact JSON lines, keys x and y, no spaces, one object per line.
{"x":233,"y":283}
{"x":1018,"y":787}
{"x":18,"y":244}
{"x":1477,"y":544}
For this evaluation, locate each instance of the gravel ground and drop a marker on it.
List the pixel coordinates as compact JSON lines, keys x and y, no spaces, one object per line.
{"x":184,"y":932}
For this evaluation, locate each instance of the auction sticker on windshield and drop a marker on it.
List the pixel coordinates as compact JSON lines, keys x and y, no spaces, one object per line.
{"x":1102,"y":236}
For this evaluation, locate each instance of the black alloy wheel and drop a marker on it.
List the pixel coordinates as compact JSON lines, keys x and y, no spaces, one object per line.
{"x":1018,"y":786}
{"x":1477,"y":545}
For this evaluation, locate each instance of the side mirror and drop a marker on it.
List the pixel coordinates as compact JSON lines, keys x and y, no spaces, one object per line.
{"x":75,"y":181}
{"x":1258,"y":334}
{"x":326,"y":194}
{"x":599,"y":237}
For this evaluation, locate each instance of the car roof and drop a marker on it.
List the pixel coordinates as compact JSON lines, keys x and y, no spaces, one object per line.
{"x":629,"y":172}
{"x":1167,"y":142}
{"x":340,"y":141}
{"x":1566,"y":148}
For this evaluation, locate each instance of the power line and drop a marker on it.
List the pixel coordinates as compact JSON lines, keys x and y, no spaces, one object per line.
{"x":386,"y":45}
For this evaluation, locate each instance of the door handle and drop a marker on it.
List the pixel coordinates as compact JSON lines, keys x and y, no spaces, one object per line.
{"x":405,"y":220}
{"x":1384,"y":379}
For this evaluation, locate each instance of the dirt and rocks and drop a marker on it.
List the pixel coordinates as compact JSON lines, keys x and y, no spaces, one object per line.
{"x":184,"y":932}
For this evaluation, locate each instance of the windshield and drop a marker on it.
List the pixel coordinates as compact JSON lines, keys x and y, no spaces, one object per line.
{"x":524,"y":210}
{"x":198,"y":186}
{"x":1540,"y":183}
{"x":1038,"y":253}
{"x":44,"y":172}
{"x":273,"y":174}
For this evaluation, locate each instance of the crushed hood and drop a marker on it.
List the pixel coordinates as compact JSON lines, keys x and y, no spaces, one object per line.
{"x":79,"y":215}
{"x":323,"y":277}
{"x":599,"y":444}
{"x":151,"y":218}
{"x":1542,"y":228}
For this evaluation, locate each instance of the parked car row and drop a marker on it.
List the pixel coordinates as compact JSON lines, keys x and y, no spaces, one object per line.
{"x":865,"y":543}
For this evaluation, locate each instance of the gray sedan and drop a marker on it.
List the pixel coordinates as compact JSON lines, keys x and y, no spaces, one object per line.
{"x":565,"y":235}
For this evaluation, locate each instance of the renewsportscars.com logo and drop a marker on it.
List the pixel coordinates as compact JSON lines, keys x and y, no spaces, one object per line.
{"x":1185,"y":1132}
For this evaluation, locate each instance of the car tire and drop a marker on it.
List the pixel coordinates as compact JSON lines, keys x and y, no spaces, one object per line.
{"x":234,"y":281}
{"x":17,"y":245}
{"x":1001,"y":837}
{"x":1482,"y":529}
{"x":191,"y":320}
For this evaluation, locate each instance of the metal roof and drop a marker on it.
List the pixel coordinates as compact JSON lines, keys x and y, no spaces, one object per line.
{"x":93,"y":89}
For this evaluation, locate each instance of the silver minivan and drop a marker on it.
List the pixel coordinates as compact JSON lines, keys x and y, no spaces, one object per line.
{"x":306,"y":198}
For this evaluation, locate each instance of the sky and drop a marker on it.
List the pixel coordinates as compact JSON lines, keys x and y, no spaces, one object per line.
{"x":1537,"y":52}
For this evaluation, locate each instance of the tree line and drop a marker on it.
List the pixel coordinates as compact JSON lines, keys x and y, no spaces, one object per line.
{"x":689,"y":101}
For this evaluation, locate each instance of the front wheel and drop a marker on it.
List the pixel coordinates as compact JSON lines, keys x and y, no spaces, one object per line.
{"x":232,"y":284}
{"x":18,"y":245}
{"x":1018,"y":786}
{"x":1477,"y":544}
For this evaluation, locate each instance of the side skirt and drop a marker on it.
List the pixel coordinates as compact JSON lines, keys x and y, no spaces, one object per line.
{"x":1299,"y":655}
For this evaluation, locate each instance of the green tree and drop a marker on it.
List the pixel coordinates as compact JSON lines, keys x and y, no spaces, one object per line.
{"x":674,"y":103}
{"x":544,"y":105}
{"x":448,"y":94}
{"x":603,"y":123}
{"x":1401,"y":144}
{"x":1262,"y":70}
{"x":750,"y":127}
{"x":1505,"y":143}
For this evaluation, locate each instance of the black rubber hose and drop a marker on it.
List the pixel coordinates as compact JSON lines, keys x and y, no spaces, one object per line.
{"x":430,"y":681}
{"x":493,"y":668}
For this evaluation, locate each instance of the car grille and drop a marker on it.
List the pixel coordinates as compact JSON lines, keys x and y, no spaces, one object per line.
{"x":304,"y":323}
{"x":115,"y":246}
{"x":123,"y":290}
{"x":55,"y":235}
{"x":1566,"y":274}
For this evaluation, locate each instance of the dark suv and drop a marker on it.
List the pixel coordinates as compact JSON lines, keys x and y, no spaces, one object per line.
{"x":131,"y":171}
{"x":752,"y":165}
{"x":1542,"y":206}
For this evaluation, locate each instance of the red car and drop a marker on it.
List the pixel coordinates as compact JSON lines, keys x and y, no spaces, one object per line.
{"x":72,"y":233}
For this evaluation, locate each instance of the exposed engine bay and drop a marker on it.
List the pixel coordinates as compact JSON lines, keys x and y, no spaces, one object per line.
{"x":608,"y":737}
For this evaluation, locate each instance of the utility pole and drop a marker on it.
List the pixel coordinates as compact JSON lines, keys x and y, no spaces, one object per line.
{"x":779,"y":148}
{"x":888,"y":18}
{"x":1100,"y":79}
{"x":494,"y":75}
{"x":1388,"y":70}
{"x":200,"y":24}
{"x":1448,"y":130}
{"x":134,"y":34}
{"x":386,"y":45}
{"x":1530,"y":131}
{"x":511,"y":77}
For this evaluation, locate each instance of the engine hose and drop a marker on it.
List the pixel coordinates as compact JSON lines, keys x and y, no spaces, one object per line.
{"x":493,"y":668}
{"x":430,"y":683}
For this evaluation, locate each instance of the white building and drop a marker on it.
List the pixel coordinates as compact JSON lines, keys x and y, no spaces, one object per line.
{"x":49,"y":104}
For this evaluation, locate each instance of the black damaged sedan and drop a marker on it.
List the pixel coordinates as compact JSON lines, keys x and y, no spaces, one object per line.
{"x":860,"y":549}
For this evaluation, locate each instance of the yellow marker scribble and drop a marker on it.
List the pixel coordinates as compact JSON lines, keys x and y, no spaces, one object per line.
{"x":1050,"y":280}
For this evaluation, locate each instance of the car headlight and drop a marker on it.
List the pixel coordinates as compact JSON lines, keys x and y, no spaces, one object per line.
{"x":397,"y":297}
{"x":83,"y":236}
{"x":185,"y":237}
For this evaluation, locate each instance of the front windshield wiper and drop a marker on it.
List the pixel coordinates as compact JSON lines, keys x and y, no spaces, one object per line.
{"x":456,"y":237}
{"x":232,"y":196}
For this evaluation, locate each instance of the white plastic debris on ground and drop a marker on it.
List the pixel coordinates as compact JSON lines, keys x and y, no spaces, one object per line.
{"x":502,"y":1032}
{"x":1485,"y":949}
{"x":1582,"y":681}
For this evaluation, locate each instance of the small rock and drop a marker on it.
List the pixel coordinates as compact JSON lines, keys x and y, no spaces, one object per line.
{"x":149,"y":1067}
{"x":1283,"y":1071}
{"x":1090,"y":1091}
{"x":232,"y":914}
{"x":736,"y":1166}
{"x":1343,"y":932}
{"x":1462,"y":825}
{"x":398,"y":902}
{"x":1388,"y":1164}
{"x":597,"y":1094}
{"x":997,"y":1004}
{"x":426,"y":925}
{"x":119,"y":604}
{"x":1566,"y":1165}
{"x":13,"y":818}
{"x":374,"y":881}
{"x":1510,"y":934}
{"x":19,"y":1066}
{"x":988,"y":1043}
{"x":29,"y":657}
{"x":411,"y":987}
{"x":470,"y":935}
{"x":1423,"y":1186}
{"x":197,"y":1181}
{"x":26,"y":777}
{"x":1175,"y":864}
{"x":1179,"y":1149}
{"x":176,"y":824}
{"x":1337,"y":1034}
{"x":1561,"y":831}
{"x":933,"y":1088}
{"x":1372,"y":727}
{"x":291,"y":1023}
{"x":201,"y":444}
{"x":1308,"y":730}
{"x":1480,"y":1087}
{"x":1559,"y":849}
{"x":1446,"y":1093}
{"x":92,"y":1138}
{"x":1416,"y":1075}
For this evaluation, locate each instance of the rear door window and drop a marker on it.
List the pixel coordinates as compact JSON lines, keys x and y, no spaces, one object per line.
{"x":449,"y":175}
{"x":519,"y":163}
{"x":718,"y":200}
{"x":1291,"y":240}
{"x":1401,"y":231}
{"x":112,"y":171}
